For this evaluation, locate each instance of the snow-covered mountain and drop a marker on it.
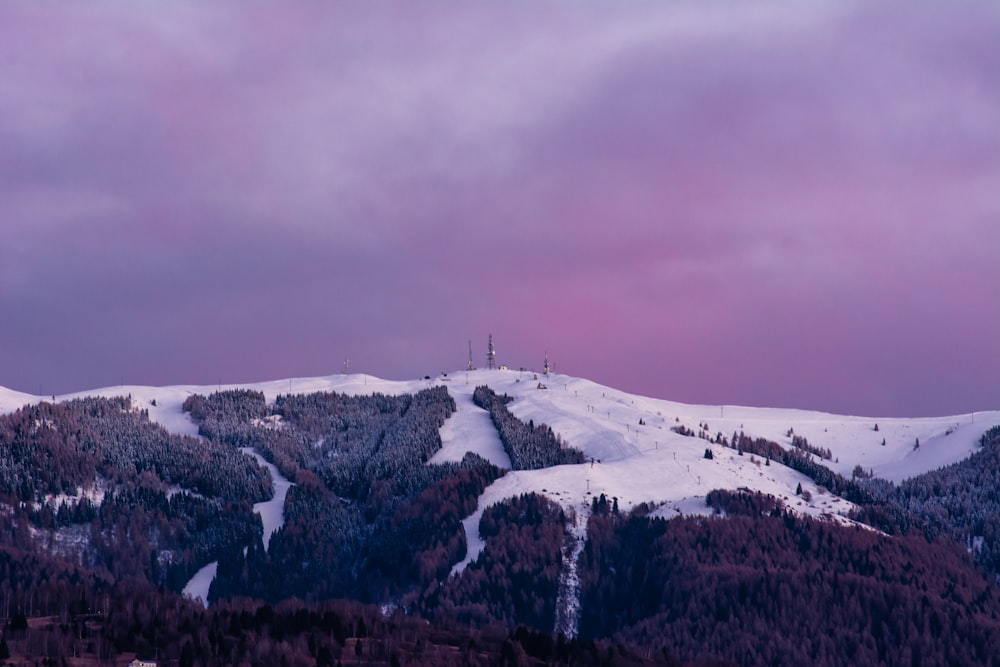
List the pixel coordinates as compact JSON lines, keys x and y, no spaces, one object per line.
{"x":636,"y":450}
{"x":632,"y":453}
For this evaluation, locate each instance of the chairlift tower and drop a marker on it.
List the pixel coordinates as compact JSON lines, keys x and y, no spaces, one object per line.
{"x":491,"y":355}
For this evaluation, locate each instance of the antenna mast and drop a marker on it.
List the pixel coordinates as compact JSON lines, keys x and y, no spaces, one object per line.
{"x":470,"y":367}
{"x":491,"y":355}
{"x":545,"y":369}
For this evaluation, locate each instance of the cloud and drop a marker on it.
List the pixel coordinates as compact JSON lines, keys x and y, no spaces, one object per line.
{"x":761,"y":204}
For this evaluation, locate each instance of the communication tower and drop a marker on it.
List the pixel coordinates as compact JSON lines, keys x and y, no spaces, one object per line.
{"x":491,"y":355}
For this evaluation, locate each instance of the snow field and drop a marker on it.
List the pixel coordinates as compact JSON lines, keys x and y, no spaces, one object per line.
{"x":272,"y":512}
{"x":470,"y":429}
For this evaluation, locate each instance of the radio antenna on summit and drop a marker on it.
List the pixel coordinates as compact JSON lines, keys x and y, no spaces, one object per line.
{"x":491,"y":355}
{"x":470,"y":367}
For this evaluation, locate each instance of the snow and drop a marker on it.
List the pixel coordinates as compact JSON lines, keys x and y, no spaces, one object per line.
{"x":568,"y":598}
{"x":272,"y":512}
{"x":197,"y":588}
{"x":95,"y":494}
{"x":469,"y":429}
{"x":11,"y":400}
{"x":606,"y":427}
{"x":174,"y":489}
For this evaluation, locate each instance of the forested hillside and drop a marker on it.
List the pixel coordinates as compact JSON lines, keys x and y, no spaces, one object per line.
{"x":105,"y":488}
{"x":106,"y":516}
{"x":515,"y":579}
{"x":774,"y":589}
{"x":960,"y":501}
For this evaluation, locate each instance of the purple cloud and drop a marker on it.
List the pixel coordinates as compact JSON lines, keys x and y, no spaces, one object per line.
{"x":767,"y":205}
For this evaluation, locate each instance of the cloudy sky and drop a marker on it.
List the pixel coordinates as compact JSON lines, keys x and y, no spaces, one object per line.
{"x":790,"y":204}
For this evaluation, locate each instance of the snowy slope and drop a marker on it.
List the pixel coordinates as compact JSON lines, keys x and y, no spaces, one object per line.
{"x":637,"y":463}
{"x":470,"y":429}
{"x":11,"y":400}
{"x":604,"y":424}
{"x":197,"y":588}
{"x":272,"y":512}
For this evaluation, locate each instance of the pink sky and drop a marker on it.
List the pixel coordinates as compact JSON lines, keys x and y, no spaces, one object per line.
{"x":787,"y":204}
